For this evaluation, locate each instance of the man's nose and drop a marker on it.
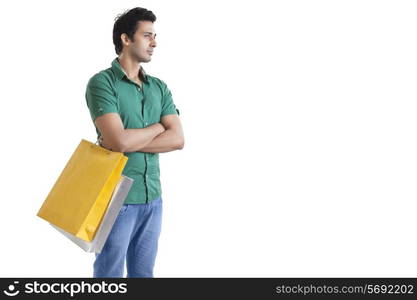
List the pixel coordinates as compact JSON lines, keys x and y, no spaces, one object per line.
{"x":153,"y":42}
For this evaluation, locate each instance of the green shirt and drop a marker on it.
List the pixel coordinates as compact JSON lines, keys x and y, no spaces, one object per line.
{"x":111,"y":91}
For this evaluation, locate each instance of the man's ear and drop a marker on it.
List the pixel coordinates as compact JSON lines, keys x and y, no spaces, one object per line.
{"x":125,"y":39}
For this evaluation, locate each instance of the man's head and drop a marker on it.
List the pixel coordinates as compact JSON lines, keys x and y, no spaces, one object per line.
{"x":134,"y":35}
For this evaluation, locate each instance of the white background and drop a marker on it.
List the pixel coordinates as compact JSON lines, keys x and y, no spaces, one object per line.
{"x":300,"y":125}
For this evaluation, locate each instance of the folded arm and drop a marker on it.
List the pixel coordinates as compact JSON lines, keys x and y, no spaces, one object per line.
{"x":116,"y":138}
{"x":169,"y":140}
{"x":155,"y":138}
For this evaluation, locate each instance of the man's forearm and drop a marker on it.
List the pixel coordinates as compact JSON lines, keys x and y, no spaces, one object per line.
{"x":132,"y":140}
{"x":135,"y":139}
{"x":167,"y":141}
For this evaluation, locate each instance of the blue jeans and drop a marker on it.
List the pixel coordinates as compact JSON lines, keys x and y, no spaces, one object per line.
{"x":134,"y":239}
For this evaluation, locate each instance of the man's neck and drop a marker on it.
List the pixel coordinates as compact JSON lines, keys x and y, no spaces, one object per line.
{"x":129,"y":66}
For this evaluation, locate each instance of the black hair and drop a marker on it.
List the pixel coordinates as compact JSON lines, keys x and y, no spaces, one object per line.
{"x":128,"y":23}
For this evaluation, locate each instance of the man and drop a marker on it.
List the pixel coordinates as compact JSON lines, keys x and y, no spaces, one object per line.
{"x":134,"y":113}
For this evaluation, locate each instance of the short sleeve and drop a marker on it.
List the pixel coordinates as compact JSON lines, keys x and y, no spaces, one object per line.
{"x":100,"y":97}
{"x":168,"y":106}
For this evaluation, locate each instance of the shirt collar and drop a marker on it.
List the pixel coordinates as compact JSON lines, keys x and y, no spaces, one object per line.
{"x":118,"y":71}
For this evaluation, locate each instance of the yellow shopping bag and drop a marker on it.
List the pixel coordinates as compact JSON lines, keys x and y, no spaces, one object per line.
{"x":79,"y":198}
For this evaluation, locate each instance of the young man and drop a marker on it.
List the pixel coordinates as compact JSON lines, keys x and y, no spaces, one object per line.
{"x":134,"y":113}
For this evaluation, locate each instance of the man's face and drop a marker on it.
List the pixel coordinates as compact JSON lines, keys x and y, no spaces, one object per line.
{"x":144,"y":42}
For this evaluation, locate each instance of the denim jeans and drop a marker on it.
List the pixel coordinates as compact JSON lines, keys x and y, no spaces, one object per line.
{"x":134,"y":240}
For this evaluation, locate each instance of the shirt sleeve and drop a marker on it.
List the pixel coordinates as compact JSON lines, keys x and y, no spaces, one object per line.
{"x":168,"y":106}
{"x":100,"y":97}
